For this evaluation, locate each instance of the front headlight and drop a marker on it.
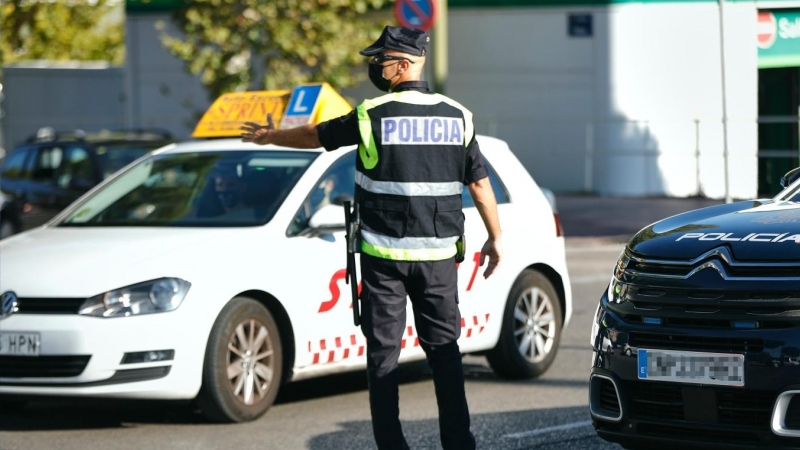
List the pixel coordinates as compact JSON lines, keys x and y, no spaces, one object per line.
{"x":614,"y":293}
{"x":162,"y":295}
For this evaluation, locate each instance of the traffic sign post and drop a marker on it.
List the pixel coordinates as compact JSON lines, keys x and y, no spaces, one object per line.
{"x":419,"y":14}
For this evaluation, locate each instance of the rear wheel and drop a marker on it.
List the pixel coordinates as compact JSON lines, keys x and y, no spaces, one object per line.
{"x":531,"y":328}
{"x":243,"y":363}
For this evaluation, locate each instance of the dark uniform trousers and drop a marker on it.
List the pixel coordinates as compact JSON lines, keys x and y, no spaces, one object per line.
{"x":433,"y":290}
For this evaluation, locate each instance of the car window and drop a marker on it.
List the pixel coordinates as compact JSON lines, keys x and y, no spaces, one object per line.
{"x":335,"y":187}
{"x":203,"y":189}
{"x":113,"y":157}
{"x":500,"y":192}
{"x":77,"y":170}
{"x":46,"y":164}
{"x":14,"y":165}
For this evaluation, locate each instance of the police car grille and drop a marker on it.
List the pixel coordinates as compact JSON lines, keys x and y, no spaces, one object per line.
{"x":50,"y":305}
{"x":42,"y":366}
{"x":754,"y":270}
{"x":675,"y":432}
{"x":700,"y":343}
{"x":608,"y":397}
{"x":745,"y":408}
{"x":710,"y":308}
{"x":655,"y":400}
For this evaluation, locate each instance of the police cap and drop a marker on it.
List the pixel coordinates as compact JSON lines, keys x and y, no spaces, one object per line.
{"x":401,"y":39}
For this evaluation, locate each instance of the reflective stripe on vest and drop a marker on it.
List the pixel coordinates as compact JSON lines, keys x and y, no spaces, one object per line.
{"x":407,"y":243}
{"x":408,"y":189}
{"x":368,"y":151}
{"x":401,"y":254}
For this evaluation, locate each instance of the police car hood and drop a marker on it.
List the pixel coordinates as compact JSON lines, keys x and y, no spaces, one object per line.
{"x":760,"y":230}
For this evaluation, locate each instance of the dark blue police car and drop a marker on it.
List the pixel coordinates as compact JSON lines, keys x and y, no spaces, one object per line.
{"x":697,"y":339}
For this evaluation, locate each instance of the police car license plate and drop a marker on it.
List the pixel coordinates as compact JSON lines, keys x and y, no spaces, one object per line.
{"x":691,"y":367}
{"x":20,"y":344}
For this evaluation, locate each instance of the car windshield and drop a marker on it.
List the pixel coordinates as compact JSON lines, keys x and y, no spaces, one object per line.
{"x":114,"y":157}
{"x":203,"y":189}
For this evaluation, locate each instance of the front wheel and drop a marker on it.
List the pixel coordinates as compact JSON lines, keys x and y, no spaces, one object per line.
{"x":243,"y":363}
{"x":531,"y":328}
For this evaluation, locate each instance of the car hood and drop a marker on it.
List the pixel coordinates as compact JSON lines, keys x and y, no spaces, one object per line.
{"x":757,"y":230}
{"x":81,"y":262}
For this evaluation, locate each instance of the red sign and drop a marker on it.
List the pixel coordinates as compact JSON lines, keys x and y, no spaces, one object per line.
{"x":420,"y":14}
{"x":766,"y":30}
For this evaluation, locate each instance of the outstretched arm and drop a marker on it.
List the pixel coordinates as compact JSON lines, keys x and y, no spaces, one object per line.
{"x":483,"y":196}
{"x":301,"y":137}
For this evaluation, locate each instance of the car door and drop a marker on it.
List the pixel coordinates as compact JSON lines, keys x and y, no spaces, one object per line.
{"x":42,"y":191}
{"x":474,"y":291}
{"x":327,"y":334}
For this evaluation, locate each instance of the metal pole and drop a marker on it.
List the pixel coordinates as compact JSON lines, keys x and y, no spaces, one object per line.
{"x":440,"y":48}
{"x":725,"y":154}
{"x":588,"y":167}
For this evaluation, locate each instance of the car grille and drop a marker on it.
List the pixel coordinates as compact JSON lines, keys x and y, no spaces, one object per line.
{"x":702,"y":343}
{"x":656,"y":400}
{"x":665,"y":431}
{"x":665,"y":401}
{"x":42,"y":366}
{"x":608,"y":397}
{"x":50,"y":305}
{"x":719,"y":259}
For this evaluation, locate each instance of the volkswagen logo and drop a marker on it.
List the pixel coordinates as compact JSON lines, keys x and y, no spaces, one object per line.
{"x":8,"y":304}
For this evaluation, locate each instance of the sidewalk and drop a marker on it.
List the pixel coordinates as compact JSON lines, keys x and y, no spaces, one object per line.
{"x":597,"y":220}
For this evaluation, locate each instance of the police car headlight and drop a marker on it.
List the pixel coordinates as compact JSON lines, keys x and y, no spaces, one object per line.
{"x":162,"y":295}
{"x":615,"y":291}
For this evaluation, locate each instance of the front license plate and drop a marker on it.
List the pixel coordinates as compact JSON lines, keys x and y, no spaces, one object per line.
{"x":691,"y":367}
{"x":20,"y":344}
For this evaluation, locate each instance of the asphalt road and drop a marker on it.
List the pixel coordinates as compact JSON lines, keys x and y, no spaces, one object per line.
{"x":331,"y":413}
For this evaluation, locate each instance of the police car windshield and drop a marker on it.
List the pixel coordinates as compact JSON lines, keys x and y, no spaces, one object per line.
{"x":203,"y":189}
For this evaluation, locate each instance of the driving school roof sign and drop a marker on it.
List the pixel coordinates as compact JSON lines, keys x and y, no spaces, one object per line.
{"x":303,"y":105}
{"x":778,"y":39}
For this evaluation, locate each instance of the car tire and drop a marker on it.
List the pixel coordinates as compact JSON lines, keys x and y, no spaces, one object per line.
{"x":243,"y":363}
{"x":526,"y":348}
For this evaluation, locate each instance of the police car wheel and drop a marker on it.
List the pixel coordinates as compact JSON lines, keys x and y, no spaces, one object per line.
{"x":531,"y":328}
{"x":243,"y":363}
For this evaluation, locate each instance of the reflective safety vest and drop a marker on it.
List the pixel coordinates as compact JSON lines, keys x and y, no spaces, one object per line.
{"x":409,"y":175}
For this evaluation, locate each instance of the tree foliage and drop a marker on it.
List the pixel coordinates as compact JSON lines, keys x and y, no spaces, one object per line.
{"x":83,"y":30}
{"x":230,"y":43}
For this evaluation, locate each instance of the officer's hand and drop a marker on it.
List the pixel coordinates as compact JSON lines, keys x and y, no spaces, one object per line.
{"x":258,"y":134}
{"x":492,"y":249}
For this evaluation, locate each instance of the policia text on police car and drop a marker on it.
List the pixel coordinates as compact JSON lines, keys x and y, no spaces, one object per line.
{"x":416,"y":152}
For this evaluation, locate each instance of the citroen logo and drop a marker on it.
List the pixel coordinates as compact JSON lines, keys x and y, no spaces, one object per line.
{"x":8,"y":304}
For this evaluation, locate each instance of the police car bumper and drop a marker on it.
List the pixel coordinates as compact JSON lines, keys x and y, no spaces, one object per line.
{"x":149,"y":356}
{"x":764,"y":413}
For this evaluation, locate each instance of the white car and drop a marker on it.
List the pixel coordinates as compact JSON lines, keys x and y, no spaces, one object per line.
{"x":215,"y":270}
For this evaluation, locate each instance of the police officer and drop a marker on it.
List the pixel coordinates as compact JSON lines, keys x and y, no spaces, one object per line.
{"x":416,"y":152}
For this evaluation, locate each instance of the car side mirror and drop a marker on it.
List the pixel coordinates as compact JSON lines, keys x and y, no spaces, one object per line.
{"x":790,"y":177}
{"x":328,"y":219}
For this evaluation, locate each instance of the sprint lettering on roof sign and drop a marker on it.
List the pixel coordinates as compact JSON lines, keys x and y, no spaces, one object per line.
{"x":422,"y":131}
{"x":752,"y":237}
